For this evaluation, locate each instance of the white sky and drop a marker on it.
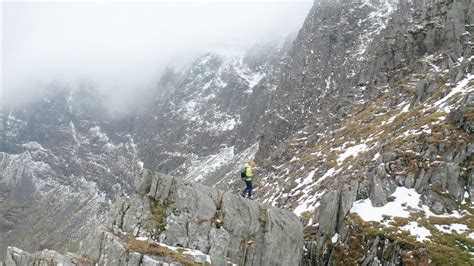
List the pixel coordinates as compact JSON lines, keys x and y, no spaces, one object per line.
{"x":123,"y":45}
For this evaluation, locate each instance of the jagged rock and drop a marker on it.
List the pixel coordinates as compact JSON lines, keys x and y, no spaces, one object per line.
{"x":347,"y":197}
{"x":463,"y":117}
{"x":18,"y":257}
{"x":471,"y":183}
{"x":409,"y":180}
{"x":114,"y":250}
{"x":377,"y":195}
{"x":180,"y":214}
{"x":389,"y":156}
{"x":455,"y":185}
{"x":371,"y":255}
{"x":224,"y":225}
{"x":347,"y":55}
{"x":129,"y":214}
{"x":219,"y":250}
{"x":438,"y":203}
{"x":327,"y":212}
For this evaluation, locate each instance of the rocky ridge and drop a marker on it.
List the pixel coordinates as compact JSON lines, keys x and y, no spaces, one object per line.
{"x":409,"y":129}
{"x":172,"y":221}
{"x":401,"y":118}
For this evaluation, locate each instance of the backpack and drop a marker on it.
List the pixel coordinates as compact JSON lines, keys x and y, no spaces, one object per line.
{"x":242,"y":172}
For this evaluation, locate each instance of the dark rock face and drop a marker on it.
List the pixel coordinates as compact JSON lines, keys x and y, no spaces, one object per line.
{"x":324,"y":76}
{"x":463,"y":117}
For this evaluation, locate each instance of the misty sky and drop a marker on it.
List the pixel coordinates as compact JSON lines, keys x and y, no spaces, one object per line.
{"x":122,"y":46}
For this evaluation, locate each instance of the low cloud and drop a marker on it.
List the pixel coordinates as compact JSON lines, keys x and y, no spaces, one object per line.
{"x":122,"y":47}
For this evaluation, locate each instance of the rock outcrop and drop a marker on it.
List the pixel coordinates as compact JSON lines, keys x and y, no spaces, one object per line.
{"x":221,"y":224}
{"x":117,"y":250}
{"x":172,"y":221}
{"x":18,"y":257}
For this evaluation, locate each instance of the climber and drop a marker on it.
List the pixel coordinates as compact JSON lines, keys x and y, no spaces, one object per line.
{"x":247,"y":175}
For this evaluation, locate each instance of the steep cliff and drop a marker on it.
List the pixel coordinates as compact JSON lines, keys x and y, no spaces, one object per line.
{"x":209,"y":108}
{"x":401,"y":149}
{"x":174,"y":221}
{"x":60,"y":166}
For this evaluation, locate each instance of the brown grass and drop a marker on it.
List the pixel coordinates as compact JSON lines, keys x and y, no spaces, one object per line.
{"x":148,"y":248}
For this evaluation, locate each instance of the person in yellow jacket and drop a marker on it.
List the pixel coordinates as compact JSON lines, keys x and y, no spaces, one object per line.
{"x":247,"y":176}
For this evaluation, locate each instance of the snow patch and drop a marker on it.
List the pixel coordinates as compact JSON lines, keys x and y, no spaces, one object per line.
{"x":351,"y":151}
{"x":307,"y":180}
{"x":460,"y":88}
{"x":418,"y":231}
{"x":445,"y":228}
{"x":406,"y":202}
{"x":201,"y":167}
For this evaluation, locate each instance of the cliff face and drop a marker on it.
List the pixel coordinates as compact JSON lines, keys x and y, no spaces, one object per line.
{"x":324,"y":76}
{"x":408,"y":128}
{"x":390,"y":133}
{"x":59,"y":168}
{"x":174,"y":221}
{"x":209,"y":108}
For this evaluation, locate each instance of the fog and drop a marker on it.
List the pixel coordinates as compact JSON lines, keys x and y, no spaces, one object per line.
{"x":122,"y":47}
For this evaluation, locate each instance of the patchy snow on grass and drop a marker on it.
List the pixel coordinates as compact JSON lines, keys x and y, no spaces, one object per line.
{"x":448,"y":228}
{"x":307,"y":180}
{"x":309,"y":202}
{"x":196,"y":255}
{"x":404,"y":198}
{"x":406,"y":201}
{"x":207,"y":165}
{"x":471,"y":235}
{"x":417,"y":231}
{"x":351,"y":151}
{"x":461,"y":87}
{"x":406,"y":108}
{"x":329,"y":173}
{"x":303,"y":207}
{"x":376,"y":156}
{"x":294,"y":159}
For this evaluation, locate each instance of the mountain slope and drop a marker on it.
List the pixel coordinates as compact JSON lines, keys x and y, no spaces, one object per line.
{"x":60,"y":170}
{"x":210,"y":108}
{"x":362,"y":126}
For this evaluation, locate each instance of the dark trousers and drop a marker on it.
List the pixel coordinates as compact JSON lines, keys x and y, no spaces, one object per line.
{"x":248,"y":189}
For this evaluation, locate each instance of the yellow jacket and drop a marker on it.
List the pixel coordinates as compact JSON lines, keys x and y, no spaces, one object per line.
{"x":248,"y":172}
